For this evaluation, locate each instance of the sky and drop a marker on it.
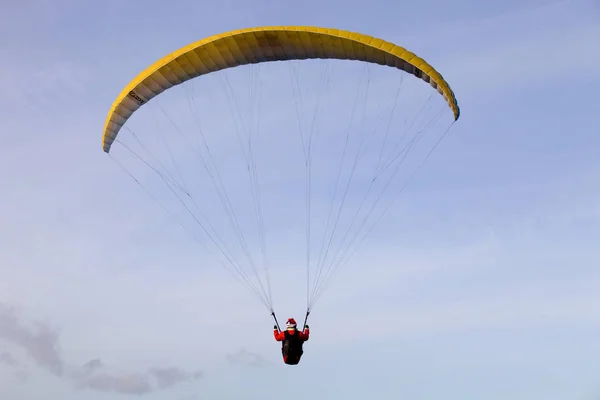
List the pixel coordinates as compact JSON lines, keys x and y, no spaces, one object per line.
{"x":482,"y":280}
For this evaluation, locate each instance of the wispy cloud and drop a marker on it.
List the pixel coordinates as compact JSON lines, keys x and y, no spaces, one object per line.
{"x":19,"y":370}
{"x":95,"y":376}
{"x":41,"y":343}
{"x":248,"y":358}
{"x":8,"y":359}
{"x":168,"y":377}
{"x":123,"y":383}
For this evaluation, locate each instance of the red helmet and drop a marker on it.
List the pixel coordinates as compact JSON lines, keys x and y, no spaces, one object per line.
{"x":291,"y":323}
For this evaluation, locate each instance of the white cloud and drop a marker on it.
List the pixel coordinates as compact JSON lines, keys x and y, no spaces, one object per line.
{"x":247,"y":358}
{"x":41,"y":343}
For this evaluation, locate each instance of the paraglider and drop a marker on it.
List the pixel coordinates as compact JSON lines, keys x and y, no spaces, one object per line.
{"x":292,"y":341}
{"x":255,"y":46}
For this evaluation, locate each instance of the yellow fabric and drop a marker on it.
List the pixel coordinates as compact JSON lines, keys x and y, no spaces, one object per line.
{"x":262,"y":44}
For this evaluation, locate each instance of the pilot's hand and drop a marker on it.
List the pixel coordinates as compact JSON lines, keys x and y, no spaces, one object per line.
{"x":275,"y":327}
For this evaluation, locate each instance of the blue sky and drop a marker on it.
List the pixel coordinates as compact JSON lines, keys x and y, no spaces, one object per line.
{"x":481,"y":282}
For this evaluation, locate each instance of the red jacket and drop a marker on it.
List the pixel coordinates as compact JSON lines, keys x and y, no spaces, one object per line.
{"x":279,"y":336}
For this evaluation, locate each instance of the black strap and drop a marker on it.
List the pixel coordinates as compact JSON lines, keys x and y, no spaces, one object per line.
{"x":305,"y":319}
{"x":276,"y":323}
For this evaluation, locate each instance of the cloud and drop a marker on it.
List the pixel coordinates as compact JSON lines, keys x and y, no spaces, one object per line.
{"x":8,"y":359}
{"x":167,"y":377}
{"x":190,"y":397}
{"x":41,"y":342}
{"x":124,"y":383}
{"x":19,"y":369}
{"x":248,"y":358}
{"x":92,"y":366}
{"x":93,"y":375}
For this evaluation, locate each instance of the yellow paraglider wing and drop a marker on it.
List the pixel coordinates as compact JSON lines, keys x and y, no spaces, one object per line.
{"x":262,"y":44}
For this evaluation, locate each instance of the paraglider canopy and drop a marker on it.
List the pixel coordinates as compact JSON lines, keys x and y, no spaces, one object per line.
{"x":262,"y":44}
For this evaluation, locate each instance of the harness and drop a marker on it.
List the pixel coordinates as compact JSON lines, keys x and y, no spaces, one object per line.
{"x":292,"y":345}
